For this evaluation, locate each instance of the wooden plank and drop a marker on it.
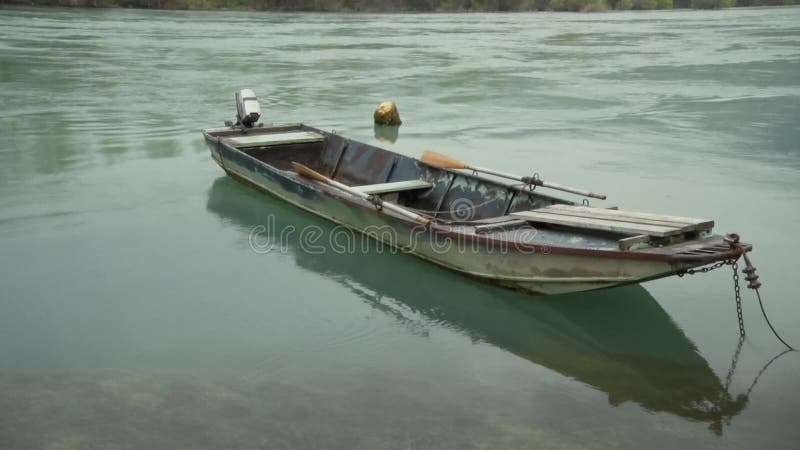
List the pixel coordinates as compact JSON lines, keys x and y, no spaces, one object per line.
{"x":235,"y":130}
{"x":592,"y":215}
{"x":396,"y":186}
{"x":630,"y":214}
{"x":682,"y":226}
{"x":603,"y":213}
{"x":633,"y":216}
{"x":627,"y":243}
{"x":264,"y":140}
{"x":611,"y":225}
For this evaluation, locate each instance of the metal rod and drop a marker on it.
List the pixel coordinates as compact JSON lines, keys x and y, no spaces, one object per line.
{"x":547,"y":184}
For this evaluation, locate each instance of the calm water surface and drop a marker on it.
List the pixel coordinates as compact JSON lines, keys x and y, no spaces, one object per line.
{"x":134,"y":314}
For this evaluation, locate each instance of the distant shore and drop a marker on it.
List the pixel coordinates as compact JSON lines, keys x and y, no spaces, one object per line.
{"x":384,"y":6}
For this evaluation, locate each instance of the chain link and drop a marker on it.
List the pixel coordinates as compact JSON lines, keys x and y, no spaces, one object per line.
{"x":734,"y":362}
{"x":706,"y":269}
{"x":736,"y":289}
{"x":738,"y":294}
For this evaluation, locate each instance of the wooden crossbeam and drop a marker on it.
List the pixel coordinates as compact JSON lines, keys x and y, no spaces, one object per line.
{"x":397,"y":186}
{"x":627,"y":243}
{"x":267,"y":139}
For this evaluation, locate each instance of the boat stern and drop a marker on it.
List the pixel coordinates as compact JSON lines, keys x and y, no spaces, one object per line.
{"x":712,"y":250}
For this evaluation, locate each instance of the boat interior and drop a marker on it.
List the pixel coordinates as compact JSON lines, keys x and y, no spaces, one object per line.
{"x":454,"y":196}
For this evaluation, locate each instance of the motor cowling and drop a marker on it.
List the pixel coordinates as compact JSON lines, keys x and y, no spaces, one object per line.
{"x":248,"y":110}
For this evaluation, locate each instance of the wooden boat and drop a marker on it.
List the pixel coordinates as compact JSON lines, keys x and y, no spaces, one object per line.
{"x":620,"y":342}
{"x":503,"y":233}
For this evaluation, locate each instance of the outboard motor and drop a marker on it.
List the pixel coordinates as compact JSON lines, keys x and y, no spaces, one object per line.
{"x":248,"y":110}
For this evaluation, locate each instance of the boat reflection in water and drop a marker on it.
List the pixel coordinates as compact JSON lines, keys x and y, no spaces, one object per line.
{"x":619,"y":341}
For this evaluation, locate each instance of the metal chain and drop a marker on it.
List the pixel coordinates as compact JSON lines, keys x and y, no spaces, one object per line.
{"x":737,"y":293}
{"x":753,"y":284}
{"x":734,"y":362}
{"x":736,"y":289}
{"x":706,"y":269}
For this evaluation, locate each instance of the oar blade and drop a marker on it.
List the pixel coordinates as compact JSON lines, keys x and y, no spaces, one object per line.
{"x":309,"y":172}
{"x":441,"y":161}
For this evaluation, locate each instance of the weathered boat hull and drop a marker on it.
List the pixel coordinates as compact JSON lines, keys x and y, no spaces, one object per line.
{"x":534,"y":273}
{"x":535,"y":267}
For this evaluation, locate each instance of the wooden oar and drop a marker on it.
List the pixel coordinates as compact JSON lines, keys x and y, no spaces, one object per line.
{"x":445,"y":162}
{"x":314,"y":175}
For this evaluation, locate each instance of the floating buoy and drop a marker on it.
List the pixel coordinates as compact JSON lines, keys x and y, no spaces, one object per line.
{"x":387,"y":114}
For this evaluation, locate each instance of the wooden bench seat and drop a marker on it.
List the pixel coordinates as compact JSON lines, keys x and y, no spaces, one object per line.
{"x":267,"y":139}
{"x":397,"y":186}
{"x":686,"y":223}
{"x":623,"y":222}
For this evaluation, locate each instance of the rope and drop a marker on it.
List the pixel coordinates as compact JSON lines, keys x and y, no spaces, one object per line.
{"x":761,"y":304}
{"x":753,"y":283}
{"x":764,"y":369}
{"x":726,"y":395}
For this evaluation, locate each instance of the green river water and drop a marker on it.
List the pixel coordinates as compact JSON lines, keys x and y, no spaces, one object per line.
{"x":136,"y":314}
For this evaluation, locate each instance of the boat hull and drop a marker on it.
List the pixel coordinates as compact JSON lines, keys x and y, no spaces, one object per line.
{"x":532,"y":269}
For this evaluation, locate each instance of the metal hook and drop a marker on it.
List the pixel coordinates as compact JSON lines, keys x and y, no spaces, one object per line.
{"x":375,"y":200}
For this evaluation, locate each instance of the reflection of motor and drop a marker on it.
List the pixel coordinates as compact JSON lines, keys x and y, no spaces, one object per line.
{"x":248,"y":110}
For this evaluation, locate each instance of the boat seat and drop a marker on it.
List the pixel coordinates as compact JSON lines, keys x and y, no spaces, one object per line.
{"x":615,"y":221}
{"x":397,"y":186}
{"x":267,"y":139}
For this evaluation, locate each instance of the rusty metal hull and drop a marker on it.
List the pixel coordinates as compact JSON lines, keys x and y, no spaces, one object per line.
{"x":533,"y":261}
